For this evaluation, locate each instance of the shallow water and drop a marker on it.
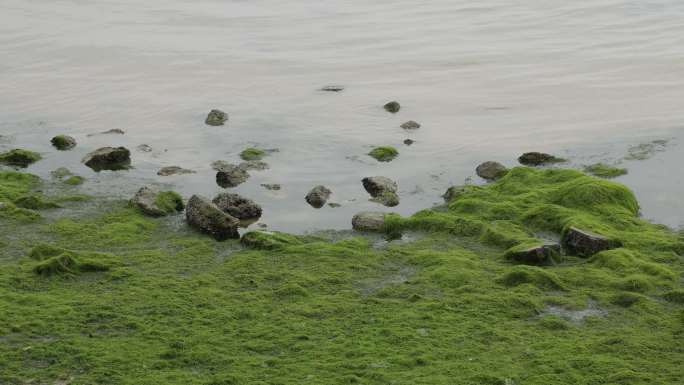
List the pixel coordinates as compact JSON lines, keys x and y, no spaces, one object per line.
{"x":487,"y":81}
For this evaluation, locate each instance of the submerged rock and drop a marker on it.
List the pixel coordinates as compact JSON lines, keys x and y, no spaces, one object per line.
{"x":369,"y":221}
{"x":63,"y":142}
{"x":584,"y":243}
{"x":408,"y":142}
{"x":538,"y":159}
{"x":174,"y":170}
{"x":74,"y":180}
{"x":252,"y":153}
{"x":115,"y":131}
{"x":206,"y":217}
{"x":216,"y":118}
{"x":606,"y":171}
{"x":453,"y":192}
{"x":318,"y":196}
{"x":231,"y":176}
{"x":108,"y":158}
{"x":157,"y":204}
{"x":144,"y":148}
{"x":238,"y":206}
{"x":257,"y":165}
{"x":271,"y":186}
{"x":392,"y":107}
{"x":541,"y":254}
{"x":19,"y":157}
{"x":491,"y":170}
{"x":376,"y":185}
{"x":384,"y":153}
{"x":269,"y":240}
{"x":333,"y":88}
{"x":410,"y":125}
{"x":388,"y":198}
{"x":61,"y":173}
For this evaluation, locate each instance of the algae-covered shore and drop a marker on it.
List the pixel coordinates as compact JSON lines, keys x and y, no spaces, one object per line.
{"x":98,"y":293}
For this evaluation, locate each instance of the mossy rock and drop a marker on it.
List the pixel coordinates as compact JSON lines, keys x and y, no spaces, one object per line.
{"x":63,"y":142}
{"x":158,"y":203}
{"x":74,"y":180}
{"x":252,"y":153}
{"x":384,"y":153}
{"x":267,"y":240}
{"x":35,"y":202}
{"x":56,"y":261}
{"x":533,"y":275}
{"x":675,"y":296}
{"x":603,"y":170}
{"x":19,"y":157}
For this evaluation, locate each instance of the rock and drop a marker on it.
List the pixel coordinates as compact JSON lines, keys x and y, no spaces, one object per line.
{"x":333,"y":88}
{"x":61,"y":173}
{"x":231,"y":176}
{"x":453,"y":192}
{"x":318,"y":196}
{"x":410,"y":125}
{"x":238,"y":206}
{"x":271,"y":186}
{"x":63,"y":142}
{"x":538,"y":159}
{"x":376,"y":185}
{"x":19,"y":157}
{"x":387,"y":198}
{"x":334,"y":205}
{"x":219,"y":165}
{"x":257,"y":165}
{"x":204,"y":216}
{"x":491,"y":170}
{"x":157,"y":204}
{"x":584,"y":243}
{"x":116,"y":131}
{"x":144,"y":148}
{"x":216,"y":118}
{"x":408,"y":142}
{"x":384,"y":153}
{"x":74,"y":180}
{"x":392,"y":107}
{"x":369,"y":221}
{"x":174,"y":170}
{"x":252,"y":153}
{"x":108,"y":158}
{"x":534,"y":255}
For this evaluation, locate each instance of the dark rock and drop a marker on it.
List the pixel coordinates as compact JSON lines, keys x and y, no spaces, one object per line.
{"x":271,"y":186}
{"x":333,"y":88}
{"x":584,"y":243}
{"x":63,"y":142}
{"x":376,"y":185}
{"x":174,"y":170}
{"x":144,"y":148}
{"x":491,"y":170}
{"x":238,"y":206}
{"x":231,"y":176}
{"x":387,"y":198}
{"x":410,"y":125}
{"x":534,"y":255}
{"x":208,"y":218}
{"x":257,"y":165}
{"x":108,"y":158}
{"x":392,"y":107}
{"x":157,"y":204}
{"x":369,"y":221}
{"x":334,"y":205}
{"x":538,"y":159}
{"x":318,"y":196}
{"x":453,"y":192}
{"x":408,"y":142}
{"x":216,"y":118}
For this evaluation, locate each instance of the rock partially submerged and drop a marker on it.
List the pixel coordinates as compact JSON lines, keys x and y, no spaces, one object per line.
{"x":369,"y":221}
{"x":409,"y":142}
{"x":271,"y":186}
{"x":238,"y":206}
{"x":231,"y":176}
{"x":61,"y":172}
{"x":410,"y":125}
{"x":603,"y":170}
{"x":63,"y":142}
{"x":333,"y":88}
{"x":392,"y":107}
{"x":108,"y":158}
{"x":216,"y":118}
{"x":384,"y":153}
{"x":538,"y":159}
{"x":206,"y":217}
{"x":115,"y":131}
{"x":252,"y":153}
{"x":256,"y":165}
{"x":19,"y":157}
{"x":157,"y":203}
{"x":584,"y":243}
{"x":389,"y":199}
{"x":382,"y":190}
{"x":144,"y":148}
{"x":541,"y":254}
{"x":453,"y":192}
{"x":318,"y":196}
{"x":491,"y":170}
{"x":173,"y":170}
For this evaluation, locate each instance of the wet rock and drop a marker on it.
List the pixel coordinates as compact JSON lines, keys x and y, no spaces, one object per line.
{"x":408,"y":142}
{"x":271,"y":186}
{"x":410,"y":125}
{"x":61,"y":172}
{"x":231,"y":176}
{"x":63,"y":142}
{"x":216,"y":118}
{"x":584,"y":243}
{"x":206,"y":217}
{"x":219,"y":165}
{"x":74,"y":180}
{"x":392,"y":107}
{"x":108,"y":158}
{"x":538,"y":159}
{"x":388,"y":198}
{"x":534,"y":255}
{"x":174,"y":170}
{"x":157,"y":204}
{"x":19,"y":157}
{"x":333,"y":88}
{"x":384,"y":153}
{"x":144,"y":148}
{"x":491,"y":170}
{"x":369,"y":221}
{"x":252,"y":153}
{"x":334,"y":205}
{"x":376,"y":185}
{"x":256,"y":165}
{"x":114,"y":131}
{"x":318,"y":196}
{"x":238,"y":206}
{"x":453,"y":192}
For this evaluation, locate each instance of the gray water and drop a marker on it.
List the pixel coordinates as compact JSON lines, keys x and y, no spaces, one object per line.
{"x":487,"y":80}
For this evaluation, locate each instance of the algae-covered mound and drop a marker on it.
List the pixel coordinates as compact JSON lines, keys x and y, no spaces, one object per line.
{"x":603,"y":170}
{"x":53,"y":260}
{"x":252,"y":153}
{"x":19,"y":157}
{"x":384,"y":153}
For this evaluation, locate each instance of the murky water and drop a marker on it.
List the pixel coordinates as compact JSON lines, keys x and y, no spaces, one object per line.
{"x":487,"y":81}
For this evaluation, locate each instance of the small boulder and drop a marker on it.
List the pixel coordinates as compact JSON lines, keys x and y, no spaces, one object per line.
{"x":174,"y":170}
{"x":541,"y":254}
{"x":491,"y":170}
{"x":408,"y":142}
{"x":538,"y":159}
{"x":333,"y":88}
{"x":387,"y":198}
{"x":19,"y":157}
{"x":216,"y":118}
{"x":318,"y":196}
{"x":410,"y":125}
{"x":584,"y":243}
{"x":63,"y":142}
{"x":237,"y":206}
{"x":157,"y":204}
{"x":369,"y":221}
{"x":392,"y":107}
{"x":231,"y":176}
{"x":206,"y":217}
{"x":376,"y":185}
{"x":108,"y":158}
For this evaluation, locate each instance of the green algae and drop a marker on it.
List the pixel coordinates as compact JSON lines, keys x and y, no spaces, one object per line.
{"x":63,"y":142}
{"x":56,"y":261}
{"x":74,"y":180}
{"x":169,"y":202}
{"x":384,"y":153}
{"x":252,"y":153}
{"x":603,"y":170}
{"x":19,"y":157}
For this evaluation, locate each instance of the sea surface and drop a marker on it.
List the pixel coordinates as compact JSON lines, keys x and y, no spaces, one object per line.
{"x":487,"y":80}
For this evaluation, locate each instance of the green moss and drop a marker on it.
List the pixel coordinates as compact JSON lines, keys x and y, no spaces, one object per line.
{"x":63,"y":142}
{"x":675,"y":296}
{"x":169,"y":202}
{"x":384,"y":153}
{"x":57,"y":261}
{"x":74,"y":180}
{"x":252,"y":153}
{"x":15,"y":184}
{"x":35,"y":202}
{"x":531,"y":275}
{"x":605,"y":171}
{"x":19,"y":157}
{"x":267,"y":240}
